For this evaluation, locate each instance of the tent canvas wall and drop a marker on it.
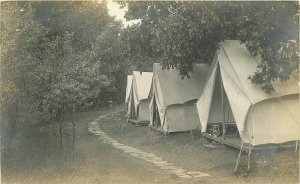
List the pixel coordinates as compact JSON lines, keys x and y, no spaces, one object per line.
{"x":261,"y":118}
{"x":128,"y":91}
{"x":173,"y":100}
{"x":139,"y":96}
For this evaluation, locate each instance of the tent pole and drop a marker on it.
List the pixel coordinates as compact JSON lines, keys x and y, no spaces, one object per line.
{"x":249,"y":154}
{"x":131,"y":113}
{"x":296,"y":146}
{"x":132,"y":104}
{"x":238,"y":159}
{"x":156,"y":117}
{"x":223,"y":108}
{"x":250,"y":138}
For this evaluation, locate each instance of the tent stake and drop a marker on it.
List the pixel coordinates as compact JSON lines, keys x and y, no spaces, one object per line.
{"x":238,"y":159}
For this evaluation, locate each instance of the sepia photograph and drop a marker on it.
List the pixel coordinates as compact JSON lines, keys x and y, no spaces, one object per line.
{"x":149,"y":92}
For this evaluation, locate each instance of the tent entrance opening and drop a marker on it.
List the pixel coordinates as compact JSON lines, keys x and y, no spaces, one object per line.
{"x":221,"y":125}
{"x":156,"y":118}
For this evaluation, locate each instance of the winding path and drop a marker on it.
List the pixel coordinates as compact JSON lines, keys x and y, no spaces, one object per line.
{"x":146,"y":156}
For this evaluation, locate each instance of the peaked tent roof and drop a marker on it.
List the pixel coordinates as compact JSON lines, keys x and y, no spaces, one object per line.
{"x":176,"y":90}
{"x":128,"y":87}
{"x":142,"y":82}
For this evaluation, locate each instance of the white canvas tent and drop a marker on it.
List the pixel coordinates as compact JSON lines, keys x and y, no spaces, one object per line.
{"x":173,"y":100}
{"x":139,"y":96}
{"x":260,"y":118}
{"x":128,"y":90}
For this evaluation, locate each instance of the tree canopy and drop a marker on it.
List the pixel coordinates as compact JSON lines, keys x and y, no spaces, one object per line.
{"x":183,"y":33}
{"x":57,"y":58}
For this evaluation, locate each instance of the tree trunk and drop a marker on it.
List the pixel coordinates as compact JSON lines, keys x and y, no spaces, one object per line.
{"x":60,"y":132}
{"x":12,"y":116}
{"x":93,"y":50}
{"x":98,"y":103}
{"x":73,"y":133}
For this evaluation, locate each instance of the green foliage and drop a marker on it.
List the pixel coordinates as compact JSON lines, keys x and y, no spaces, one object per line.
{"x":21,"y":38}
{"x":272,"y":30}
{"x":58,"y":57}
{"x":183,"y":33}
{"x":85,"y":19}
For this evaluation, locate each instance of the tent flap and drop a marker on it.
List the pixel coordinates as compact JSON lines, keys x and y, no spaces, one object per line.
{"x":128,"y":87}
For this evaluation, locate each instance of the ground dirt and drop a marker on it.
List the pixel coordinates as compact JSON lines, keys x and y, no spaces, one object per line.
{"x":97,"y":162}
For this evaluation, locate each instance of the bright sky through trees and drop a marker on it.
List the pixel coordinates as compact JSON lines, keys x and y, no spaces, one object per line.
{"x":115,"y":10}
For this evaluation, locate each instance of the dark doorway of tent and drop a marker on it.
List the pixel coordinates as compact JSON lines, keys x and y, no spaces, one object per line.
{"x":155,"y":117}
{"x":221,"y":125}
{"x":132,"y":112}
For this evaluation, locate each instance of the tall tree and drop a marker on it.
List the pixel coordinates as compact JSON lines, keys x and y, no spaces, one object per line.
{"x":21,"y":39}
{"x":58,"y":58}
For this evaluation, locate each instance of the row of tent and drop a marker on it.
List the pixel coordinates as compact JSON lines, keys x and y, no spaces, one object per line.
{"x":220,"y":92}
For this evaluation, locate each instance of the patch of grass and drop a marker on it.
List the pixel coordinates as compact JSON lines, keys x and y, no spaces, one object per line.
{"x":37,"y":149}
